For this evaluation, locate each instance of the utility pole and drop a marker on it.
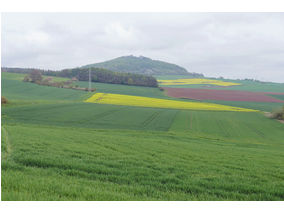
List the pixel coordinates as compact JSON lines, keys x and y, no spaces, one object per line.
{"x":89,"y":79}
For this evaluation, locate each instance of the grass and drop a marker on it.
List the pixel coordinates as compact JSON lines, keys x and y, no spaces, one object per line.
{"x":230,"y":125}
{"x":51,"y":163}
{"x":20,"y":77}
{"x":56,"y":147}
{"x":19,"y":91}
{"x":234,"y":126}
{"x":88,"y":115}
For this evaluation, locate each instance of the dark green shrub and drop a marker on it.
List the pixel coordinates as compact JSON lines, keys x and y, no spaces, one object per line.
{"x":35,"y":76}
{"x":4,"y":100}
{"x":278,"y":114}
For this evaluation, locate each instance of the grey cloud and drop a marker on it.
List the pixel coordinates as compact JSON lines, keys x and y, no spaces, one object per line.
{"x":233,"y":45}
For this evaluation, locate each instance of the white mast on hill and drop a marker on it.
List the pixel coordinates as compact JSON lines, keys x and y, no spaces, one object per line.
{"x":89,"y":79}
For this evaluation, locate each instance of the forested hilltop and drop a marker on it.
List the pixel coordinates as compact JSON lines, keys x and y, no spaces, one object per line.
{"x":97,"y":75}
{"x":143,"y":65}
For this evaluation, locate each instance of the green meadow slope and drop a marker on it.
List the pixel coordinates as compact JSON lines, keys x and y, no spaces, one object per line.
{"x":56,"y":147}
{"x":15,"y":90}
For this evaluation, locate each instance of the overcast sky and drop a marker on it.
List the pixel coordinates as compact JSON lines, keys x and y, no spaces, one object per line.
{"x":232,"y":45}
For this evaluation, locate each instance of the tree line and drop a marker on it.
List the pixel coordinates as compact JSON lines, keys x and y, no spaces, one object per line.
{"x":35,"y":76}
{"x":97,"y":75}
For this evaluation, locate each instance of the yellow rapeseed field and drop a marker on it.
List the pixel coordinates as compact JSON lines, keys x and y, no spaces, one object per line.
{"x":129,"y":100}
{"x":196,"y":81}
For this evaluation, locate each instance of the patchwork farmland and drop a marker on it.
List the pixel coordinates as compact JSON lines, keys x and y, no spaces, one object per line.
{"x":129,"y":143}
{"x":191,"y":81}
{"x":223,"y":95}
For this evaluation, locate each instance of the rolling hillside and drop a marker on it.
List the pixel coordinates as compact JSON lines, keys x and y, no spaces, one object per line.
{"x":55,"y":146}
{"x":142,"y":65}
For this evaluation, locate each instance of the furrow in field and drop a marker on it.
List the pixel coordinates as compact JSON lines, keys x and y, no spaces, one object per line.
{"x":150,"y":118}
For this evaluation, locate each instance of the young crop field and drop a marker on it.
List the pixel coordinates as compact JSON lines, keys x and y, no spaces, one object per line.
{"x":128,"y":100}
{"x":135,"y":144}
{"x":235,"y":126}
{"x":59,"y":163}
{"x":90,"y":115}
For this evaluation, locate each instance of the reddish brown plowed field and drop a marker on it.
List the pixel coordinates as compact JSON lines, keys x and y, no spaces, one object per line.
{"x":273,"y":93}
{"x":224,"y":95}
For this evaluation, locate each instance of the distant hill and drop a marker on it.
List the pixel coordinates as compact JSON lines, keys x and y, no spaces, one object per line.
{"x":142,"y":65}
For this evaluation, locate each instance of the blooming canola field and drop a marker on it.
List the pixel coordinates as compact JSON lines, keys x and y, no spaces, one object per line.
{"x":196,"y":81}
{"x":129,"y":100}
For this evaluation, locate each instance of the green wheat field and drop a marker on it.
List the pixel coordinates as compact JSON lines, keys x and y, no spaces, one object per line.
{"x":57,"y":147}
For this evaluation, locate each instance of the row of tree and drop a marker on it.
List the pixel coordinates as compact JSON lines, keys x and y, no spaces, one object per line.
{"x":24,"y":70}
{"x":97,"y":75}
{"x":36,"y":77}
{"x":107,"y":76}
